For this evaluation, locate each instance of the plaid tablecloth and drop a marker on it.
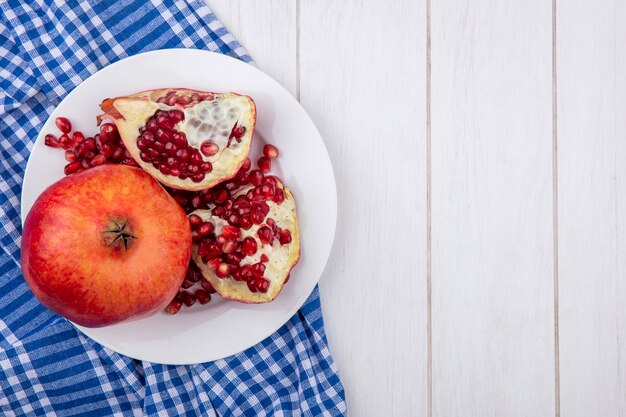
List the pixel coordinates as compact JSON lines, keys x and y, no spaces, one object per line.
{"x":46,"y":366}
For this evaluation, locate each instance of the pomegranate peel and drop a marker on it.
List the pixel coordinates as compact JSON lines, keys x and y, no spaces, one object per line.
{"x":216,"y":131}
{"x":280,"y":258}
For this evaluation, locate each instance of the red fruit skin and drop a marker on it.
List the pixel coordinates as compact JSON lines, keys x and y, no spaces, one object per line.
{"x":71,"y":270}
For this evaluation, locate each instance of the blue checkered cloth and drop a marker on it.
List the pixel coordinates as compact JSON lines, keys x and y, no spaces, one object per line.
{"x":49,"y":368}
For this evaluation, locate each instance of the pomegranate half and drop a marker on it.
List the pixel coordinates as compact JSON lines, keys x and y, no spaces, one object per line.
{"x":105,"y":245}
{"x":186,"y":139}
{"x":249,"y":265}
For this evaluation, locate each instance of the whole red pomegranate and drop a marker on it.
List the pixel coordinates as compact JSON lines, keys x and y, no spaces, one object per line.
{"x":105,"y":245}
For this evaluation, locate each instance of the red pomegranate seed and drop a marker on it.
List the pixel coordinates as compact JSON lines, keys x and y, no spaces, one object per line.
{"x":264,"y":258}
{"x":256,"y":217}
{"x":268,"y":190}
{"x":264,"y":164}
{"x":202,"y":296}
{"x":222,"y":270}
{"x":198,"y":177}
{"x":258,"y":270}
{"x":209,"y":148}
{"x":130,"y":161}
{"x":187,"y":284}
{"x":265,"y":234}
{"x":221,"y":197}
{"x":214,"y":263}
{"x":195,"y":220}
{"x":245,"y":223}
{"x":72,"y":167}
{"x":174,"y":306}
{"x":271,"y":223}
{"x":231,"y":232}
{"x":279,"y":196}
{"x":262,"y":285}
{"x":65,"y":141}
{"x":63,"y":124}
{"x":70,"y":155}
{"x":232,"y":259}
{"x":206,"y":284}
{"x":77,"y":138}
{"x":229,"y":246}
{"x":196,"y":201}
{"x":249,"y":246}
{"x":205,"y":229}
{"x":285,"y":237}
{"x":206,"y":167}
{"x":246,"y":165}
{"x":51,"y":141}
{"x":251,"y":285}
{"x":98,"y":160}
{"x":255,"y":177}
{"x":203,"y":248}
{"x":188,"y":298}
{"x":270,"y":151}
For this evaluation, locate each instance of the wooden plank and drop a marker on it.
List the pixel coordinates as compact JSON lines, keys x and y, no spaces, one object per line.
{"x":268,"y":31}
{"x":591,"y":70}
{"x":363,"y":80}
{"x":492,"y":212}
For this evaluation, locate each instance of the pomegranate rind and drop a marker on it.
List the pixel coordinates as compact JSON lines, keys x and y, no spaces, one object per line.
{"x":282,"y":258}
{"x":70,"y":268}
{"x":129,"y":113}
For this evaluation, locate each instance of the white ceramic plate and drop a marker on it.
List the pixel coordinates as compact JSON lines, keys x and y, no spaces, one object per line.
{"x":220,"y":328}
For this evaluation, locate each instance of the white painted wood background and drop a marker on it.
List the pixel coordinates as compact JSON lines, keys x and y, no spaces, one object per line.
{"x":479,"y":267}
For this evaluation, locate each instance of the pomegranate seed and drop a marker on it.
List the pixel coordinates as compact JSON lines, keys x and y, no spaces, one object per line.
{"x":209,"y":148}
{"x":205,"y":229}
{"x":107,"y":150}
{"x":246,"y":165}
{"x":198,"y":177}
{"x":188,"y":298}
{"x":72,"y":167}
{"x":268,"y":190}
{"x":222,"y":270}
{"x":70,"y":156}
{"x":270,"y":151}
{"x":245,"y":223}
{"x":214,"y":263}
{"x":98,"y":160}
{"x":196,"y":201}
{"x":206,"y":166}
{"x":229,"y":246}
{"x":249,"y":246}
{"x":130,"y":161}
{"x":256,"y":217}
{"x":203,"y":248}
{"x":85,"y":163}
{"x":255,"y":177}
{"x":233,"y":220}
{"x":262,"y":285}
{"x":221,"y":197}
{"x":202,"y":296}
{"x":251,"y":285}
{"x":234,"y":260}
{"x":258,"y":270}
{"x":265,"y":234}
{"x":77,"y":138}
{"x":264,"y":164}
{"x":246,"y":272}
{"x":285,"y":237}
{"x":63,"y":124}
{"x":174,"y":306}
{"x":195,"y":220}
{"x":238,"y":132}
{"x":186,"y":284}
{"x":231,"y":232}
{"x":264,"y":258}
{"x":279,"y":196}
{"x":206,"y":284}
{"x":51,"y":141}
{"x":65,"y":141}
{"x":271,"y":223}
{"x":265,"y":209}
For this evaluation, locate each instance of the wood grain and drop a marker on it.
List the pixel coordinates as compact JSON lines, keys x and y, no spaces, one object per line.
{"x":268,"y":31}
{"x":492,"y":242}
{"x":363,"y":79}
{"x":591,"y":62}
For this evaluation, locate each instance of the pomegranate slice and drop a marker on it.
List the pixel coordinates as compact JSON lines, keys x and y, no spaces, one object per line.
{"x":256,"y":270}
{"x":186,"y":139}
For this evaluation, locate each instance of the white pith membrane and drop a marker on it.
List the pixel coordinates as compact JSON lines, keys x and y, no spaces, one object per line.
{"x":282,"y":258}
{"x":212,"y":119}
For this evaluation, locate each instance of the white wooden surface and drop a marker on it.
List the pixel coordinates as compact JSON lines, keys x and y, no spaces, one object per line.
{"x":479,"y":266}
